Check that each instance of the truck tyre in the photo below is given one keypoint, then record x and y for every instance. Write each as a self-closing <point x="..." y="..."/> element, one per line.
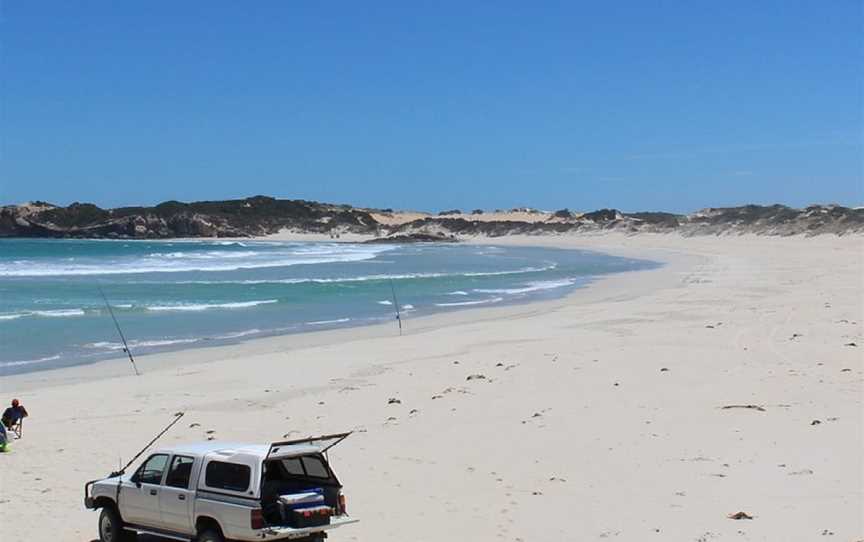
<point x="211" y="535"/>
<point x="111" y="526"/>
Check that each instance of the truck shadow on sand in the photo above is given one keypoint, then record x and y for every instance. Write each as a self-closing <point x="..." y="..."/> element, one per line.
<point x="143" y="538"/>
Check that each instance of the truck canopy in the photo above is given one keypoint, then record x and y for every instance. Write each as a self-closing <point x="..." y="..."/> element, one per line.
<point x="309" y="445"/>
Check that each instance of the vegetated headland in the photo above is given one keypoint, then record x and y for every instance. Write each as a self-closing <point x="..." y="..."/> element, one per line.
<point x="262" y="215"/>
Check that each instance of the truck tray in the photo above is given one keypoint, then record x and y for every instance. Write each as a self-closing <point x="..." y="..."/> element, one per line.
<point x="283" y="532"/>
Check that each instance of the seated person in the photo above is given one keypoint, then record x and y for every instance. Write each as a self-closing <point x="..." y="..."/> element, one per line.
<point x="14" y="414"/>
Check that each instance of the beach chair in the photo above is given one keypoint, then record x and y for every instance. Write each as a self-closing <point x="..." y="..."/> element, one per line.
<point x="18" y="428"/>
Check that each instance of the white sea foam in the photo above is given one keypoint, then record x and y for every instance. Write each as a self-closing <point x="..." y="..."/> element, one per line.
<point x="478" y="302"/>
<point x="101" y="344"/>
<point x="206" y="306"/>
<point x="325" y="322"/>
<point x="209" y="255"/>
<point x="165" y="342"/>
<point x="408" y="307"/>
<point x="104" y="345"/>
<point x="514" y="272"/>
<point x="18" y="363"/>
<point x="59" y="313"/>
<point x="362" y="278"/>
<point x="238" y="334"/>
<point x="385" y="302"/>
<point x="529" y="287"/>
<point x="133" y="344"/>
<point x="54" y="313"/>
<point x="458" y="292"/>
<point x="182" y="261"/>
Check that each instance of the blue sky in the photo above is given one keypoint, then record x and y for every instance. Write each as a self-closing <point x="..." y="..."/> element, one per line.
<point x="434" y="105"/>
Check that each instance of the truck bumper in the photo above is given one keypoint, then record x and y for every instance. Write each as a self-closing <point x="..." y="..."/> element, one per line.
<point x="290" y="533"/>
<point x="88" y="500"/>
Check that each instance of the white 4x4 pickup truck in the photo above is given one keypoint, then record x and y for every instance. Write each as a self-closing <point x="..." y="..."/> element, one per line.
<point x="214" y="491"/>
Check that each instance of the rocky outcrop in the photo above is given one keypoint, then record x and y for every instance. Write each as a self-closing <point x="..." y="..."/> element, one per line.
<point x="259" y="215"/>
<point x="262" y="215"/>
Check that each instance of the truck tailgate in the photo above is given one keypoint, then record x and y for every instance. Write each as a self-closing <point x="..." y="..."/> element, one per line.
<point x="288" y="533"/>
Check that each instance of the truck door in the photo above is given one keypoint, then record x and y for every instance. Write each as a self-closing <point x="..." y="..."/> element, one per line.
<point x="175" y="498"/>
<point x="139" y="499"/>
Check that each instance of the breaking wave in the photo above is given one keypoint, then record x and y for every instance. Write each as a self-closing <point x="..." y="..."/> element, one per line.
<point x="206" y="306"/>
<point x="18" y="363"/>
<point x="465" y="303"/>
<point x="55" y="313"/>
<point x="106" y="345"/>
<point x="193" y="260"/>
<point x="325" y="322"/>
<point x="530" y="287"/>
<point x="156" y="343"/>
<point x="363" y="278"/>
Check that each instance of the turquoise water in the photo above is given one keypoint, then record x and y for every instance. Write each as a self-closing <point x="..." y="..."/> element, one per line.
<point x="177" y="294"/>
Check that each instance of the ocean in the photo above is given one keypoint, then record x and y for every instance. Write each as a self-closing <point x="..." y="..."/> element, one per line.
<point x="179" y="294"/>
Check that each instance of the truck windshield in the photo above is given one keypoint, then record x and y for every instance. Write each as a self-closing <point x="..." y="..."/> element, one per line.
<point x="151" y="471"/>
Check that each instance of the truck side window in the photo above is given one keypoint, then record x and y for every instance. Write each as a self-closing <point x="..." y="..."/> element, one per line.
<point x="180" y="471"/>
<point x="152" y="469"/>
<point x="230" y="476"/>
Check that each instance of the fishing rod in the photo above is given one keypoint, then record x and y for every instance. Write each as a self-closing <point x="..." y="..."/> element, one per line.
<point x="88" y="499"/>
<point x="177" y="417"/>
<point x="396" y="306"/>
<point x="119" y="331"/>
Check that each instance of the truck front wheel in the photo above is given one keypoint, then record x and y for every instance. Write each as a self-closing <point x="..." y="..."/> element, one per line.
<point x="210" y="535"/>
<point x="111" y="526"/>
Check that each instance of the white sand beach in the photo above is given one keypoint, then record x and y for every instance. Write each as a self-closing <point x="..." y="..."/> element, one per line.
<point x="598" y="416"/>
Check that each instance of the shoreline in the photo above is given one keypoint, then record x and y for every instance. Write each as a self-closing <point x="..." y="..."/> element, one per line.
<point x="199" y="353"/>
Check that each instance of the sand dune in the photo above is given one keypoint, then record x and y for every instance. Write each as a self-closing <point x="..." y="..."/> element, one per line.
<point x="599" y="416"/>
